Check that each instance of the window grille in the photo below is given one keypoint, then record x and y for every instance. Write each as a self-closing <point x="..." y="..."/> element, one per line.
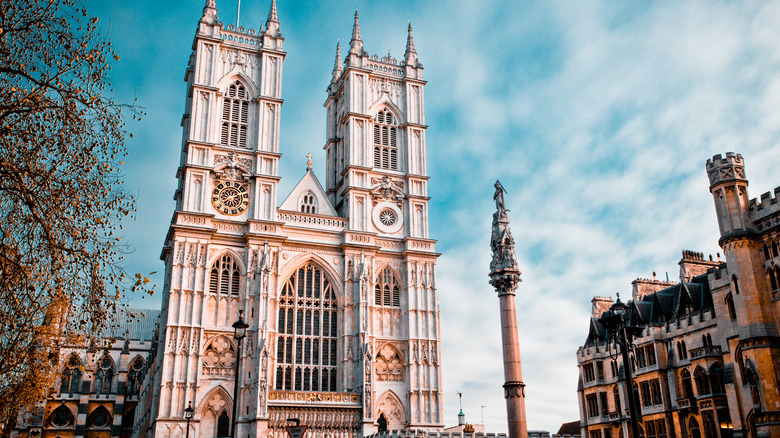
<point x="235" y="115"/>
<point x="386" y="292"/>
<point x="307" y="341"/>
<point x="224" y="276"/>
<point x="385" y="141"/>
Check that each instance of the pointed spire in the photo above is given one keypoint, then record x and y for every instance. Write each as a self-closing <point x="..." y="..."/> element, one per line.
<point x="337" y="65"/>
<point x="410" y="56"/>
<point x="272" y="23"/>
<point x="356" y="44"/>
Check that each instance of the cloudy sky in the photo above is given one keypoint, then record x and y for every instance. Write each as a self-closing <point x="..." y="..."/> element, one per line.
<point x="597" y="117"/>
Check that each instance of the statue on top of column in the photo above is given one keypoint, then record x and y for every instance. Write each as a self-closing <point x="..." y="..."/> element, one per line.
<point x="501" y="242"/>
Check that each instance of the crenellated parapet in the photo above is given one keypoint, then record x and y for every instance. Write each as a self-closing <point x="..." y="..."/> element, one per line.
<point x="726" y="170"/>
<point x="764" y="212"/>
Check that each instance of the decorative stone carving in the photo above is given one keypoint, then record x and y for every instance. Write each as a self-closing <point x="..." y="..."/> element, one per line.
<point x="388" y="364"/>
<point x="219" y="358"/>
<point x="385" y="189"/>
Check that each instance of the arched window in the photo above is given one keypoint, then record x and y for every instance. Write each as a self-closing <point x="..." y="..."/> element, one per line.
<point x="308" y="203"/>
<point x="223" y="425"/>
<point x="135" y="376"/>
<point x="730" y="307"/>
<point x="777" y="277"/>
<point x="772" y="278"/>
<point x="704" y="340"/>
<point x="385" y="140"/>
<point x="693" y="427"/>
<point x="716" y="379"/>
<point x="637" y="399"/>
<point x="386" y="292"/>
<point x="61" y="417"/>
<point x="687" y="386"/>
<point x="307" y="341"/>
<point x="104" y="376"/>
<point x="99" y="418"/>
<point x="70" y="380"/>
<point x="766" y="253"/>
<point x="684" y="350"/>
<point x="616" y="397"/>
<point x="774" y="249"/>
<point x="755" y="389"/>
<point x="224" y="276"/>
<point x="235" y="115"/>
<point x="702" y="382"/>
<point x="709" y="340"/>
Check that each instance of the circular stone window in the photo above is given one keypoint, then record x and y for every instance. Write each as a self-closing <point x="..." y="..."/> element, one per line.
<point x="387" y="217"/>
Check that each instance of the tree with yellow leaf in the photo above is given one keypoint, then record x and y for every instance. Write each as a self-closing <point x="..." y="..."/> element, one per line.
<point x="61" y="196"/>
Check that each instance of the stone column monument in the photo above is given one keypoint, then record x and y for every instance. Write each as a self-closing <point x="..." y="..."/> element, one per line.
<point x="505" y="276"/>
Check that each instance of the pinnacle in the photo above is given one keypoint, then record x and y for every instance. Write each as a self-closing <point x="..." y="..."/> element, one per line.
<point x="410" y="51"/>
<point x="272" y="15"/>
<point x="356" y="43"/>
<point x="337" y="64"/>
<point x="356" y="28"/>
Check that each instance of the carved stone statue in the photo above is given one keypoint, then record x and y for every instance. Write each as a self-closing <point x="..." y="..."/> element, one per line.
<point x="498" y="196"/>
<point x="501" y="242"/>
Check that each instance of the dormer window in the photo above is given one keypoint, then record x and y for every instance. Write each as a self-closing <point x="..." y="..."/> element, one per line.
<point x="235" y="115"/>
<point x="308" y="203"/>
<point x="385" y="141"/>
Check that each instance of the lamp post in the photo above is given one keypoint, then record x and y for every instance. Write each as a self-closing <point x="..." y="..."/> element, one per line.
<point x="616" y="321"/>
<point x="239" y="328"/>
<point x="188" y="416"/>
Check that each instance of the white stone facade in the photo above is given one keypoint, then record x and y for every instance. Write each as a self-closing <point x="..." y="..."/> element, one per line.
<point x="338" y="284"/>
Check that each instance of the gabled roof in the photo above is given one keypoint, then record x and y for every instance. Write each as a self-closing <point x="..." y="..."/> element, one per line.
<point x="665" y="305"/>
<point x="309" y="183"/>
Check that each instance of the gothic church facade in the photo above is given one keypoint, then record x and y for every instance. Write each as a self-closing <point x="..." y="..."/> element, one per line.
<point x="337" y="284"/>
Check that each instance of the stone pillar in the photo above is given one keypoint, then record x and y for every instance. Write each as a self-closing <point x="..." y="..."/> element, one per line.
<point x="504" y="277"/>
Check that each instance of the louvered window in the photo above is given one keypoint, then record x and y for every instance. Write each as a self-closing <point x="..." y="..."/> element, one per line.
<point x="224" y="276"/>
<point x="385" y="141"/>
<point x="235" y="115"/>
<point x="307" y="326"/>
<point x="386" y="292"/>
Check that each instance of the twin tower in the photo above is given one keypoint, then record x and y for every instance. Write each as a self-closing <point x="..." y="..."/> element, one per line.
<point x="337" y="284"/>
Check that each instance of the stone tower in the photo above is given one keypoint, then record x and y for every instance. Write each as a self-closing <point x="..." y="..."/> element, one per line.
<point x="504" y="277"/>
<point x="337" y="284"/>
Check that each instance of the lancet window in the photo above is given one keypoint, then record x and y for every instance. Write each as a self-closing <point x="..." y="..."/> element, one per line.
<point x="135" y="376"/>
<point x="70" y="380"/>
<point x="385" y="140"/>
<point x="235" y="115"/>
<point x="387" y="292"/>
<point x="307" y="341"/>
<point x="104" y="376"/>
<point x="224" y="276"/>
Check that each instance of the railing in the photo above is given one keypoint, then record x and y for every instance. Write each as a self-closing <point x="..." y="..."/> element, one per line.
<point x="708" y="351"/>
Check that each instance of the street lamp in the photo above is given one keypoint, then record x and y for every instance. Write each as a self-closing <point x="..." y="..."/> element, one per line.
<point x="239" y="327"/>
<point x="188" y="416"/>
<point x="616" y="320"/>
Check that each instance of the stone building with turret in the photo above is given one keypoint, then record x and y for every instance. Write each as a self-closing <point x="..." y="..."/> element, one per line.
<point x="707" y="361"/>
<point x="337" y="283"/>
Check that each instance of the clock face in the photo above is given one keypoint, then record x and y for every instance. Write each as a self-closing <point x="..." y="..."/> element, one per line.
<point x="230" y="198"/>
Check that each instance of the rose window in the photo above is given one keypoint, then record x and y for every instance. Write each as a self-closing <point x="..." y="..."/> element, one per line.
<point x="388" y="217"/>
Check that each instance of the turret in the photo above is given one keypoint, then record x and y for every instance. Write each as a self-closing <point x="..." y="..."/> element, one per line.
<point x="728" y="186"/>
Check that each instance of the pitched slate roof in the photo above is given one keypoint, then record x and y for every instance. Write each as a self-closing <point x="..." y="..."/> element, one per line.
<point x="140" y="328"/>
<point x="665" y="305"/>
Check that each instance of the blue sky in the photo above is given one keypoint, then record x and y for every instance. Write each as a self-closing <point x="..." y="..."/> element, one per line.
<point x="597" y="117"/>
